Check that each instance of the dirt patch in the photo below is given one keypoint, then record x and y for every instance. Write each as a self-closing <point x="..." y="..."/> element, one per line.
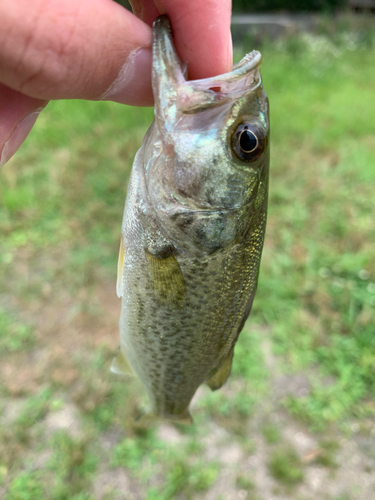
<point x="114" y="482"/>
<point x="67" y="419"/>
<point x="20" y="378"/>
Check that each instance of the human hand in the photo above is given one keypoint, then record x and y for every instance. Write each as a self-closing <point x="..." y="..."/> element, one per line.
<point x="96" y="49"/>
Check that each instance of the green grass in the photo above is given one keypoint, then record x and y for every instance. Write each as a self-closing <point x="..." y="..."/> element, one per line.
<point x="34" y="410"/>
<point x="61" y="204"/>
<point x="25" y="487"/>
<point x="271" y="433"/>
<point x="285" y="466"/>
<point x="327" y="456"/>
<point x="14" y="335"/>
<point x="144" y="453"/>
<point x="317" y="284"/>
<point x="244" y="483"/>
<point x="73" y="465"/>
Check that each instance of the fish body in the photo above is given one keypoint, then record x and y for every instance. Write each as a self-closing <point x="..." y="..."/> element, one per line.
<point x="193" y="228"/>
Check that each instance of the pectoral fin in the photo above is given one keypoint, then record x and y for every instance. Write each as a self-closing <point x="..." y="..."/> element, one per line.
<point x="120" y="364"/>
<point x="120" y="269"/>
<point x="219" y="378"/>
<point x="167" y="280"/>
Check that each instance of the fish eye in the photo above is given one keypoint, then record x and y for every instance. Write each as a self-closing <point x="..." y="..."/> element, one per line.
<point x="248" y="142"/>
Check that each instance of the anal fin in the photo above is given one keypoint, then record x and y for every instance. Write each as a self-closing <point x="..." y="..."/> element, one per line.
<point x="221" y="375"/>
<point x="120" y="364"/>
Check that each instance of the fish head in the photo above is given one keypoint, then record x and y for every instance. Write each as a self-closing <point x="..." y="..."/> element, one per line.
<point x="213" y="133"/>
<point x="207" y="153"/>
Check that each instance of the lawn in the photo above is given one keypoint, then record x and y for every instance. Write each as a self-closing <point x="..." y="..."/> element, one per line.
<point x="296" y="418"/>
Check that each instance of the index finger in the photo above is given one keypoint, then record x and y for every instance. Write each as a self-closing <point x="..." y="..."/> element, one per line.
<point x="201" y="32"/>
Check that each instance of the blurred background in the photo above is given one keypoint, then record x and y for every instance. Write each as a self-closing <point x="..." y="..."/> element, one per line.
<point x="296" y="418"/>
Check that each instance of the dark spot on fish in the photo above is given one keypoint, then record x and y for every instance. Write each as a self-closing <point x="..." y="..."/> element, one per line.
<point x="182" y="192"/>
<point x="210" y="196"/>
<point x="184" y="222"/>
<point x="200" y="233"/>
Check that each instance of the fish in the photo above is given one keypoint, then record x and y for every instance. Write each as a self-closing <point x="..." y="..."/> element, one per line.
<point x="193" y="229"/>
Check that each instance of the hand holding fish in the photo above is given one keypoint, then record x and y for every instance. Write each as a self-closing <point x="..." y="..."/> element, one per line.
<point x="96" y="50"/>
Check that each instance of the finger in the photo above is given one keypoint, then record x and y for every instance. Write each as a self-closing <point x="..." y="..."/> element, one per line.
<point x="145" y="10"/>
<point x="88" y="49"/>
<point x="18" y="115"/>
<point x="201" y="30"/>
<point x="202" y="34"/>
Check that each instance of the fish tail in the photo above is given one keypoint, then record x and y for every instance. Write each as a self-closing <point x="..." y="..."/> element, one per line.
<point x="148" y="417"/>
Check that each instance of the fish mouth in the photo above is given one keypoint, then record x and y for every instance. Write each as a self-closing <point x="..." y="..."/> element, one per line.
<point x="197" y="95"/>
<point x="244" y="73"/>
<point x="192" y="96"/>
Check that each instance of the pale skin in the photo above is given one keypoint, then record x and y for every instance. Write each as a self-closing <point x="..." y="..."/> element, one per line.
<point x="96" y="49"/>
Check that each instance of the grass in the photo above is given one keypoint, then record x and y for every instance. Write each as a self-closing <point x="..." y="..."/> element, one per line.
<point x="14" y="335"/>
<point x="36" y="407"/>
<point x="271" y="433"/>
<point x="61" y="203"/>
<point x="285" y="466"/>
<point x="319" y="266"/>
<point x="144" y="454"/>
<point x="25" y="486"/>
<point x="72" y="464"/>
<point x="327" y="457"/>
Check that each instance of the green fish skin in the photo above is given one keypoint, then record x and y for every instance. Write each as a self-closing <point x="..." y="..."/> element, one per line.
<point x="193" y="228"/>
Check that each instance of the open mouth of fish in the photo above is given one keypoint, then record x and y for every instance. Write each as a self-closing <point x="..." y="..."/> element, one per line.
<point x="195" y="95"/>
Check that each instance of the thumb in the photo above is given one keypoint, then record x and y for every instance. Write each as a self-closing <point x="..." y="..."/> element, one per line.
<point x="64" y="49"/>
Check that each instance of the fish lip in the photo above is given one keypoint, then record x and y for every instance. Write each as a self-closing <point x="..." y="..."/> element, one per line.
<point x="196" y="95"/>
<point x="240" y="70"/>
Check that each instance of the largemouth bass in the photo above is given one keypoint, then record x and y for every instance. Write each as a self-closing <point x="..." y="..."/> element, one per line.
<point x="193" y="228"/>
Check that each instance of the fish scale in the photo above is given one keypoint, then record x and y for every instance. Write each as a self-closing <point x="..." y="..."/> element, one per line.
<point x="193" y="229"/>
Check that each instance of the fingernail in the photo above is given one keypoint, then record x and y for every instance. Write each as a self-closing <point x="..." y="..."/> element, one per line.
<point x="18" y="135"/>
<point x="133" y="83"/>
